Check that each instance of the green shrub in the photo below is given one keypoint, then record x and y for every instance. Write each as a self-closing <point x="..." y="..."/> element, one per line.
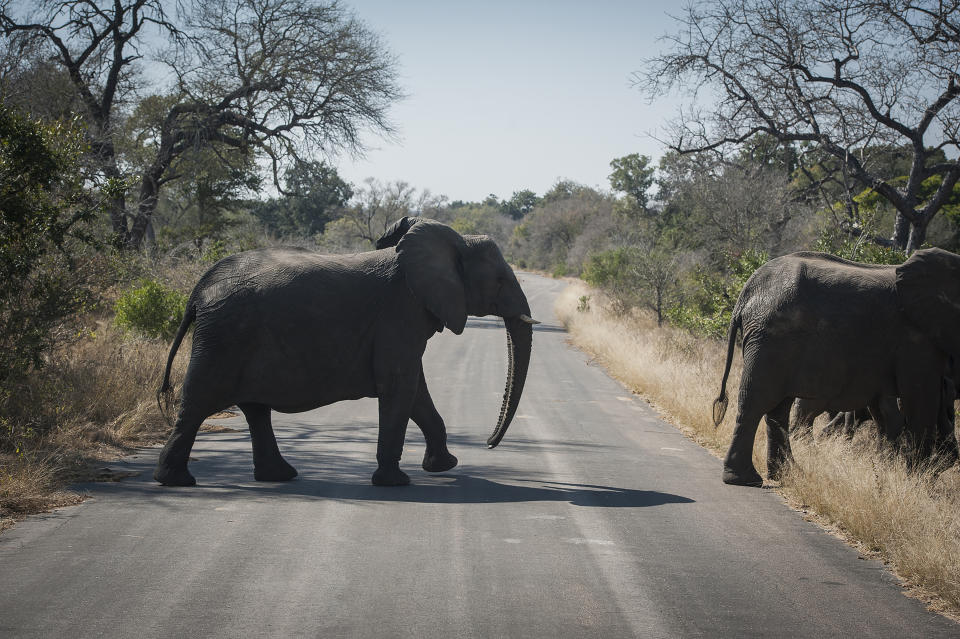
<point x="151" y="309"/>
<point x="859" y="250"/>
<point x="709" y="309"/>
<point x="614" y="272"/>
<point x="45" y="208"/>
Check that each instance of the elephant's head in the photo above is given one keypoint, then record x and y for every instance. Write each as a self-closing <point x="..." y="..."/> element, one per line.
<point x="456" y="276"/>
<point x="928" y="285"/>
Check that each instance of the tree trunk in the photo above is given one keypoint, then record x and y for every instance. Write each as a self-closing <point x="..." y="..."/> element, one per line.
<point x="918" y="234"/>
<point x="901" y="232"/>
<point x="149" y="192"/>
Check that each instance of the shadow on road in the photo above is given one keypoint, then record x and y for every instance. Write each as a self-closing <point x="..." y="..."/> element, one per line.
<point x="465" y="489"/>
<point x="335" y="464"/>
<point x="441" y="489"/>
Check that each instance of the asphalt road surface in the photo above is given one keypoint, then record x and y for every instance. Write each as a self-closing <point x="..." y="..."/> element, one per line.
<point x="593" y="518"/>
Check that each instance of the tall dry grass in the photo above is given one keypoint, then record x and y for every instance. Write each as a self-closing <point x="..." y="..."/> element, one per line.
<point x="859" y="488"/>
<point x="93" y="400"/>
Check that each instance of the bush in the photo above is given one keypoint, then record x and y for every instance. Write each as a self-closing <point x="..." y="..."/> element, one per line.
<point x="151" y="309"/>
<point x="44" y="210"/>
<point x="613" y="272"/>
<point x="710" y="308"/>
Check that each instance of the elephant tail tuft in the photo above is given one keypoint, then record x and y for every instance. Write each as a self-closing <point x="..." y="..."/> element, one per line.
<point x="720" y="408"/>
<point x="721" y="402"/>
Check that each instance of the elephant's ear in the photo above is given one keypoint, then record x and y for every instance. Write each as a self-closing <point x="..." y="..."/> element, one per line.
<point x="393" y="234"/>
<point x="928" y="285"/>
<point x="430" y="256"/>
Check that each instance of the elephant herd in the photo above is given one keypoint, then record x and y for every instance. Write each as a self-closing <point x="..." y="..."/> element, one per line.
<point x="291" y="330"/>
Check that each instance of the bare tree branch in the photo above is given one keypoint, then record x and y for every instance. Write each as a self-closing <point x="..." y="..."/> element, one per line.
<point x="840" y="74"/>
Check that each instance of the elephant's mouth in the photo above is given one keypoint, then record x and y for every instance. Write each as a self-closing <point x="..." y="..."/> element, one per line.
<point x="519" y="344"/>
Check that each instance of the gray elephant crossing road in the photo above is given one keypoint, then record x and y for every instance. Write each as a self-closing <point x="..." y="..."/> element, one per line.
<point x="593" y="518"/>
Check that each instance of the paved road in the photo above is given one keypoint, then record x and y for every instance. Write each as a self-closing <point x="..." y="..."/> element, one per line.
<point x="592" y="519"/>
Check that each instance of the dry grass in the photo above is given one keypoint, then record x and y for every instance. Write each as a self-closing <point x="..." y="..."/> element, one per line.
<point x="94" y="400"/>
<point x="861" y="491"/>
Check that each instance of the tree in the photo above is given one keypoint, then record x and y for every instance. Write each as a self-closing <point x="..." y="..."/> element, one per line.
<point x="44" y="208"/>
<point x="97" y="47"/>
<point x="379" y="204"/>
<point x="633" y="175"/>
<point x="278" y="79"/>
<point x="642" y="275"/>
<point x="840" y="75"/>
<point x="315" y="195"/>
<point x="723" y="208"/>
<point x="572" y="222"/>
<point x="519" y="204"/>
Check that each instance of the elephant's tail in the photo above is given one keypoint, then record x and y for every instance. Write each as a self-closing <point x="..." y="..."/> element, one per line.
<point x="721" y="402"/>
<point x="190" y="313"/>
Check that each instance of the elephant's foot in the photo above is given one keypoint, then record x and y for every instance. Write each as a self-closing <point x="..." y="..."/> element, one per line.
<point x="279" y="470"/>
<point x="776" y="470"/>
<point x="390" y="477"/>
<point x="439" y="462"/>
<point x="174" y="476"/>
<point x="735" y="478"/>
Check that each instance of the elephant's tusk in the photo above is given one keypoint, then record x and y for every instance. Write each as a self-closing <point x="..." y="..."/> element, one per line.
<point x="528" y="319"/>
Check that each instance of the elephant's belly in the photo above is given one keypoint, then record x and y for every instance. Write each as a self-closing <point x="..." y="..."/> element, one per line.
<point x="847" y="389"/>
<point x="295" y="391"/>
<point x="842" y="380"/>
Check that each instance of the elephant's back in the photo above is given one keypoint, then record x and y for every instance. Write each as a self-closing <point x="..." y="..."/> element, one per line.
<point x="817" y="295"/>
<point x="277" y="275"/>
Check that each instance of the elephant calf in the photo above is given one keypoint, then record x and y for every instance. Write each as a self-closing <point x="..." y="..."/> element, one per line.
<point x="843" y="334"/>
<point x="290" y="330"/>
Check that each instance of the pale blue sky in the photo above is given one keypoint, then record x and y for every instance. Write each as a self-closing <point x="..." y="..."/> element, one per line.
<point x="511" y="95"/>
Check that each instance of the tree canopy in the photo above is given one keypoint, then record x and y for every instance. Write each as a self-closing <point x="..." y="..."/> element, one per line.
<point x="279" y="80"/>
<point x="842" y="77"/>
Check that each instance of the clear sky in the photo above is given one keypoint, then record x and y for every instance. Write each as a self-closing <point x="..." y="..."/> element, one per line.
<point x="505" y="96"/>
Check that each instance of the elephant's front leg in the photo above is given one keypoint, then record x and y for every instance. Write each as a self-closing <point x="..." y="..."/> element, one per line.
<point x="396" y="394"/>
<point x="778" y="440"/>
<point x="437" y="458"/>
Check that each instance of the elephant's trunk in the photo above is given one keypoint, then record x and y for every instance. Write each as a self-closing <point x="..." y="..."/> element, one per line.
<point x="519" y="343"/>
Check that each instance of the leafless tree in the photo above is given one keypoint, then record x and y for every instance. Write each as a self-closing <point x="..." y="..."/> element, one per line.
<point x="281" y="79"/>
<point x="377" y="205"/>
<point x="842" y="75"/>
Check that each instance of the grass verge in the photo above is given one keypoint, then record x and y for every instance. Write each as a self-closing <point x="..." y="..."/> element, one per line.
<point x="93" y="401"/>
<point x="857" y="489"/>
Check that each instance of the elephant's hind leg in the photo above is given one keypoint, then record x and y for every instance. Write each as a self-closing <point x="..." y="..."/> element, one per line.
<point x="437" y="458"/>
<point x="738" y="466"/>
<point x="268" y="464"/>
<point x="172" y="466"/>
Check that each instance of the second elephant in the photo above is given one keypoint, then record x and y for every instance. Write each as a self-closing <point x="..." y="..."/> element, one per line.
<point x="842" y="333"/>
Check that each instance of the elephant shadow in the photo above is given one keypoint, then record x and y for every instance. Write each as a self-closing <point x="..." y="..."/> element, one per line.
<point x="451" y="488"/>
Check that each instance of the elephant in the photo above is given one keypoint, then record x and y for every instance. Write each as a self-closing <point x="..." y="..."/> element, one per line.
<point x="845" y="334"/>
<point x="291" y="330"/>
<point x="885" y="413"/>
